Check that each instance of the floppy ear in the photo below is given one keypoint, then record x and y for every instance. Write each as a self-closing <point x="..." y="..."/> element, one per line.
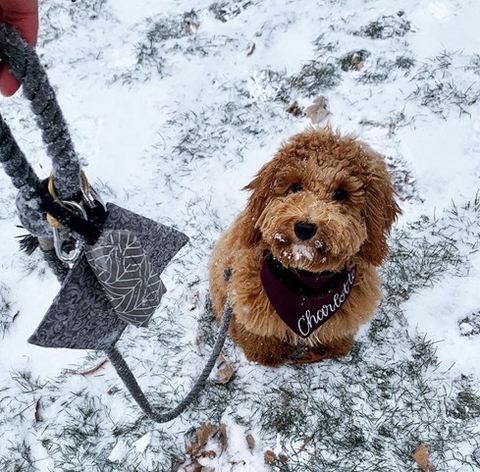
<point x="381" y="211"/>
<point x="261" y="187"/>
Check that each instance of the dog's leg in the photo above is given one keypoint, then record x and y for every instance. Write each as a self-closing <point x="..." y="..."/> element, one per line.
<point x="268" y="351"/>
<point x="310" y="355"/>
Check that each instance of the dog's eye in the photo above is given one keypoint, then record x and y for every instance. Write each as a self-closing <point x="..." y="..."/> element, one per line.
<point x="296" y="187"/>
<point x="340" y="194"/>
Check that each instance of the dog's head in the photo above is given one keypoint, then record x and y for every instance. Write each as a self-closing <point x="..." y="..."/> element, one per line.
<point x="322" y="202"/>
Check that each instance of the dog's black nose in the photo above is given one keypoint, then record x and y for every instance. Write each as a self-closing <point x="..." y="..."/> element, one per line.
<point x="305" y="230"/>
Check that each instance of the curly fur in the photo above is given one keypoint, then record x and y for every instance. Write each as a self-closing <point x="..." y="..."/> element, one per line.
<point x="343" y="187"/>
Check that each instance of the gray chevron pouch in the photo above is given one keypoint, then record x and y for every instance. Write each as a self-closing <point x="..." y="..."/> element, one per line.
<point x="130" y="281"/>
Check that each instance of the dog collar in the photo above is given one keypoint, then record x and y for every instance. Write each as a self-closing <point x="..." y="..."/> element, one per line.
<point x="305" y="300"/>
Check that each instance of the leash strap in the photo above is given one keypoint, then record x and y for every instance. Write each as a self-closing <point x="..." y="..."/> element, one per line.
<point x="26" y="67"/>
<point x="130" y="382"/>
<point x="80" y="316"/>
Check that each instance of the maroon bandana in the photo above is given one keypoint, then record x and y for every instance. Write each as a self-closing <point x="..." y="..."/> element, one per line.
<point x="305" y="300"/>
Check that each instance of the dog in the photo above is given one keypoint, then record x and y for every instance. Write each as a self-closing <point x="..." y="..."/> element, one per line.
<point x="299" y="264"/>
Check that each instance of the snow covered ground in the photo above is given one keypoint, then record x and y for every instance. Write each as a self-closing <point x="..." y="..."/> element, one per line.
<point x="173" y="108"/>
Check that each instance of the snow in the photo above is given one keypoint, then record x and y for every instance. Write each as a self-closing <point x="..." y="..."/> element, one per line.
<point x="118" y="452"/>
<point x="435" y="311"/>
<point x="301" y="251"/>
<point x="175" y="138"/>
<point x="142" y="443"/>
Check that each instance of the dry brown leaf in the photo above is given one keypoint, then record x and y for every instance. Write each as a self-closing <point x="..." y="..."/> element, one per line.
<point x="422" y="457"/>
<point x="223" y="432"/>
<point x="195" y="301"/>
<point x="225" y="371"/>
<point x="191" y="26"/>
<point x="204" y="432"/>
<point x="225" y="374"/>
<point x="269" y="456"/>
<point x="318" y="111"/>
<point x="294" y="109"/>
<point x="251" y="442"/>
<point x="251" y="49"/>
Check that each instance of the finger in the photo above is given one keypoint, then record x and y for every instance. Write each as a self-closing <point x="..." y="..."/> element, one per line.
<point x="8" y="83"/>
<point x="23" y="16"/>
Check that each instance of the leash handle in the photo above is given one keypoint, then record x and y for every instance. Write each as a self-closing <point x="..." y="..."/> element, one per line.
<point x="26" y="67"/>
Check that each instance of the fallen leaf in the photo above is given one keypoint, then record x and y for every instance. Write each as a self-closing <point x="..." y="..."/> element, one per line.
<point x="204" y="432"/>
<point x="195" y="301"/>
<point x="269" y="457"/>
<point x="223" y="432"/>
<point x="225" y="371"/>
<point x="251" y="49"/>
<point x="422" y="457"/>
<point x="251" y="442"/>
<point x="294" y="109"/>
<point x="191" y="26"/>
<point x="318" y="110"/>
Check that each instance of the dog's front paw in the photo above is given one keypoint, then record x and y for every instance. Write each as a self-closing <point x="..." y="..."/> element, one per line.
<point x="310" y="355"/>
<point x="271" y="355"/>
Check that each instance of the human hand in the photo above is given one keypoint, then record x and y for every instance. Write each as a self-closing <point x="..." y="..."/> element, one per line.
<point x="23" y="15"/>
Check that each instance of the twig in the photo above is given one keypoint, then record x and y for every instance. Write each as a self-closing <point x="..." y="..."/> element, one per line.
<point x="87" y="372"/>
<point x="36" y="413"/>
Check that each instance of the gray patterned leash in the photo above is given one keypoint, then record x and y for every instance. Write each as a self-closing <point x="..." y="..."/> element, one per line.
<point x="25" y="65"/>
<point x="126" y="374"/>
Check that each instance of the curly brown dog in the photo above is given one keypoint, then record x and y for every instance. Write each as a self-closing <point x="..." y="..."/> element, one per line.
<point x="299" y="263"/>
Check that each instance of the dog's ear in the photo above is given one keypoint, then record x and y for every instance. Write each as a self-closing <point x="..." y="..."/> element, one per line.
<point x="381" y="211"/>
<point x="261" y="188"/>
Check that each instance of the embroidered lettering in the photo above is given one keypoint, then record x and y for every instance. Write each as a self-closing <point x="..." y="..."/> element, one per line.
<point x="309" y="321"/>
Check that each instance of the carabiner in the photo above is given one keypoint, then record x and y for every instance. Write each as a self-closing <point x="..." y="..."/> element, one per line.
<point x="72" y="256"/>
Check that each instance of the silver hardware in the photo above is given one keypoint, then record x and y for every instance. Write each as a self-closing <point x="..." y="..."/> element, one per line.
<point x="72" y="256"/>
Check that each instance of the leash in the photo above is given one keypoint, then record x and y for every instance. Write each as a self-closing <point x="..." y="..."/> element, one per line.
<point x="126" y="374"/>
<point x="92" y="248"/>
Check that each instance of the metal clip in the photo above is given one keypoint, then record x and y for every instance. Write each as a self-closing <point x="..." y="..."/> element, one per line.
<point x="72" y="256"/>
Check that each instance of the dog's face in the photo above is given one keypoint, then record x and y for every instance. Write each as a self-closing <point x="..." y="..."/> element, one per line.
<point x="324" y="201"/>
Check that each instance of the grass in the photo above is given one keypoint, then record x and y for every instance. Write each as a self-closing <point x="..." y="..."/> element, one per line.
<point x="7" y="314"/>
<point x="226" y="11"/>
<point x="315" y="77"/>
<point x="438" y="87"/>
<point x="387" y="26"/>
<point x="386" y="70"/>
<point x="59" y="17"/>
<point x="354" y="60"/>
